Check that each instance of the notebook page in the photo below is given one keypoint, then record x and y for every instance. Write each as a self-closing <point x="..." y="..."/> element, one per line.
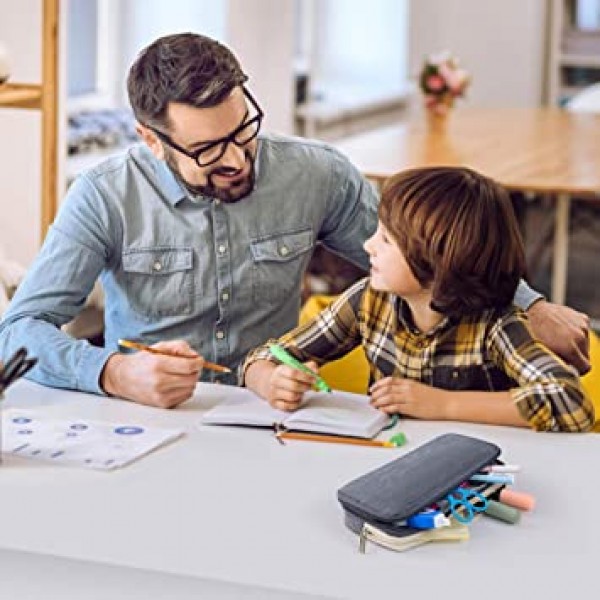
<point x="341" y="413"/>
<point x="240" y="406"/>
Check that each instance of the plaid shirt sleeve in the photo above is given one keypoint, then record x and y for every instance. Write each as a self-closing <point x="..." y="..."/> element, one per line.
<point x="549" y="395"/>
<point x="330" y="335"/>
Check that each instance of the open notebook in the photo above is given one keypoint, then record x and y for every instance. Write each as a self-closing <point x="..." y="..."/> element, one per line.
<point x="339" y="413"/>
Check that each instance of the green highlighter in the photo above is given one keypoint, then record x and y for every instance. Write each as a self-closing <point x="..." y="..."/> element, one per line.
<point x="282" y="355"/>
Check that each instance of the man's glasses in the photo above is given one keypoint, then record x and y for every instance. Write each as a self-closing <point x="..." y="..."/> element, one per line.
<point x="212" y="151"/>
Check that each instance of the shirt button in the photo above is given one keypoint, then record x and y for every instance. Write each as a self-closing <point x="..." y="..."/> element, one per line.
<point x="217" y="202"/>
<point x="225" y="296"/>
<point x="220" y="335"/>
<point x="157" y="266"/>
<point x="222" y="249"/>
<point x="454" y="374"/>
<point x="284" y="251"/>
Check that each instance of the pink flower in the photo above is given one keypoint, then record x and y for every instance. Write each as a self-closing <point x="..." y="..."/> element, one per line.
<point x="461" y="78"/>
<point x="449" y="76"/>
<point x="456" y="79"/>
<point x="435" y="83"/>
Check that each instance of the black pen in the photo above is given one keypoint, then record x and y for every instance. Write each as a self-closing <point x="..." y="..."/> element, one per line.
<point x="15" y="368"/>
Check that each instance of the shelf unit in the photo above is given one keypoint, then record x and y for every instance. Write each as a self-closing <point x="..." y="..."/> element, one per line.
<point x="574" y="54"/>
<point x="15" y="95"/>
<point x="43" y="97"/>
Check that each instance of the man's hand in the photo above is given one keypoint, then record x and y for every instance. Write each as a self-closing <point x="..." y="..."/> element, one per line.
<point x="154" y="379"/>
<point x="564" y="331"/>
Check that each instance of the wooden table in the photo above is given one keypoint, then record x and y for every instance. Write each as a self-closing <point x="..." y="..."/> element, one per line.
<point x="541" y="150"/>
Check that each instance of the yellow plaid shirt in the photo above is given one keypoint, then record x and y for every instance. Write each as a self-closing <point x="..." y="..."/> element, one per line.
<point x="492" y="351"/>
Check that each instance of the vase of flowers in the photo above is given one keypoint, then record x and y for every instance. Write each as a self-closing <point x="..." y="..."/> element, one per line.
<point x="441" y="81"/>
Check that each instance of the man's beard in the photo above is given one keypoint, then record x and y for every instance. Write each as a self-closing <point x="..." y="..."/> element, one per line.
<point x="232" y="194"/>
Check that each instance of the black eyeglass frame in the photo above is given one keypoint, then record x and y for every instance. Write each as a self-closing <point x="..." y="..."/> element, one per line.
<point x="224" y="141"/>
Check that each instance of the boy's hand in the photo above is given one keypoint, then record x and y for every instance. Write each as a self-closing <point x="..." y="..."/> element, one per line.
<point x="409" y="398"/>
<point x="287" y="385"/>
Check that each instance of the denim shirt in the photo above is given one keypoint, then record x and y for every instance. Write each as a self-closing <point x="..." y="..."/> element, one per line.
<point x="224" y="277"/>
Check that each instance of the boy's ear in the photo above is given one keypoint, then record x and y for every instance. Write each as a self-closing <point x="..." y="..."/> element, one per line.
<point x="151" y="140"/>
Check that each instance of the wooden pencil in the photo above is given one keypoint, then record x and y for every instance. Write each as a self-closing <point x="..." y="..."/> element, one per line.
<point x="137" y="346"/>
<point x="332" y="439"/>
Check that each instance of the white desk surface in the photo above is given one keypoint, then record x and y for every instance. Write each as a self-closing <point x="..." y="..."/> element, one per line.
<point x="231" y="507"/>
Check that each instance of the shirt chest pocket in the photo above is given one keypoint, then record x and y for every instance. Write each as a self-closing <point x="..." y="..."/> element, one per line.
<point x="159" y="281"/>
<point x="279" y="261"/>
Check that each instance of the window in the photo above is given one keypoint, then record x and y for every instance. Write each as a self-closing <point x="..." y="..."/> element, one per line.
<point x="82" y="32"/>
<point x="352" y="46"/>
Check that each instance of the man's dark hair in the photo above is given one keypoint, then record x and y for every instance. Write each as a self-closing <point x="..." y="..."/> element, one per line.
<point x="459" y="234"/>
<point x="185" y="67"/>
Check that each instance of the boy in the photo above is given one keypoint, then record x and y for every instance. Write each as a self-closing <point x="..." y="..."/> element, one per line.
<point x="435" y="318"/>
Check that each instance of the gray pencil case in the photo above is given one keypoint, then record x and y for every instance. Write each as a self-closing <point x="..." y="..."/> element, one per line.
<point x="386" y="497"/>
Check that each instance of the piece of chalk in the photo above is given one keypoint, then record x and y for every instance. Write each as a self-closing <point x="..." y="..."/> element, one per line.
<point x="503" y="512"/>
<point x="505" y="478"/>
<point x="519" y="500"/>
<point x="502" y="469"/>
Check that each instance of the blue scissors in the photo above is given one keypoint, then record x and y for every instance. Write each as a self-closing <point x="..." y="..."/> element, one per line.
<point x="465" y="502"/>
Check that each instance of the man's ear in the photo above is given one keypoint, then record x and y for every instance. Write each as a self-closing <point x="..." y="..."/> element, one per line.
<point x="151" y="140"/>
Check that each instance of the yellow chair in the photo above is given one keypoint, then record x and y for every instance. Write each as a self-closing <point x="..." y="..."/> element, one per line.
<point x="591" y="381"/>
<point x="351" y="373"/>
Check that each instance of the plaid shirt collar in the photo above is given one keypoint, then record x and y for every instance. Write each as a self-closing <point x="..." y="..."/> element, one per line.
<point x="406" y="321"/>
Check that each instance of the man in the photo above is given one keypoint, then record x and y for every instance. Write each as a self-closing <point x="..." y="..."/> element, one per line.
<point x="199" y="236"/>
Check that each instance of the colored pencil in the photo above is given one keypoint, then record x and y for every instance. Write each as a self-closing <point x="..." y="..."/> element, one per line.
<point x="137" y="346"/>
<point x="332" y="439"/>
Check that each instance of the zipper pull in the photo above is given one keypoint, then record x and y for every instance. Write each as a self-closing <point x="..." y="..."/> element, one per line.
<point x="362" y="540"/>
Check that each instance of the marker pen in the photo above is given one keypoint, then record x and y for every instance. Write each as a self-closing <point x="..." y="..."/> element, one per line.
<point x="282" y="355"/>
